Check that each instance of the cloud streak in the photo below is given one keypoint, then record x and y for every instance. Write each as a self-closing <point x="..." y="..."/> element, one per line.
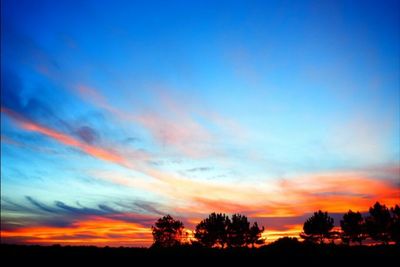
<point x="96" y="152"/>
<point x="64" y="224"/>
<point x="175" y="125"/>
<point x="95" y="230"/>
<point x="335" y="192"/>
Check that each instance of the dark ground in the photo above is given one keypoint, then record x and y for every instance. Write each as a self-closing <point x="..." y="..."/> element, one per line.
<point x="293" y="255"/>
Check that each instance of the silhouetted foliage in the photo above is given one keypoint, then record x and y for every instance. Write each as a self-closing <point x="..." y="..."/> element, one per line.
<point x="167" y="232"/>
<point x="378" y="223"/>
<point x="353" y="227"/>
<point x="318" y="227"/>
<point x="286" y="242"/>
<point x="395" y="225"/>
<point x="213" y="231"/>
<point x="220" y="230"/>
<point x="254" y="236"/>
<point x="238" y="231"/>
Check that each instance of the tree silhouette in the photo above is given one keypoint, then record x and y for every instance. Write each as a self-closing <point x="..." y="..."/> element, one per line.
<point x="238" y="231"/>
<point x="167" y="232"/>
<point x="318" y="227"/>
<point x="353" y="227"/>
<point x="395" y="224"/>
<point x="254" y="236"/>
<point x="286" y="242"/>
<point x="213" y="230"/>
<point x="378" y="223"/>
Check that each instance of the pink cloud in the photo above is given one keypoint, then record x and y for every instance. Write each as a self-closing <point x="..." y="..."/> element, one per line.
<point x="96" y="152"/>
<point x="175" y="125"/>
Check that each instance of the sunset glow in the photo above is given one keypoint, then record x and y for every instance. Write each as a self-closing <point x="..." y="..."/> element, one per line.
<point x="116" y="113"/>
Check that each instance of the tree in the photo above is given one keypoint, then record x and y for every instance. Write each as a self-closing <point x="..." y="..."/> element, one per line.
<point x="167" y="232"/>
<point x="395" y="225"/>
<point x="378" y="223"/>
<point x="353" y="227"/>
<point x="254" y="236"/>
<point x="213" y="230"/>
<point x="285" y="242"/>
<point x="238" y="231"/>
<point x="318" y="227"/>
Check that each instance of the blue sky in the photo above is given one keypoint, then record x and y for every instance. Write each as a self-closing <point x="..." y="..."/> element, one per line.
<point x="176" y="104"/>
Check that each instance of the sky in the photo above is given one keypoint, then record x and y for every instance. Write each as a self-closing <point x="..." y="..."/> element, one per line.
<point x="115" y="113"/>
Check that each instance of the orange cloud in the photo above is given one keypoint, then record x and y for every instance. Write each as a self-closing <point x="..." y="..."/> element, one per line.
<point x="292" y="230"/>
<point x="333" y="192"/>
<point x="65" y="139"/>
<point x="97" y="231"/>
<point x="273" y="203"/>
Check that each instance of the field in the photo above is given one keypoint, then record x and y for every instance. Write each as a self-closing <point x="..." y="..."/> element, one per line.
<point x="272" y="255"/>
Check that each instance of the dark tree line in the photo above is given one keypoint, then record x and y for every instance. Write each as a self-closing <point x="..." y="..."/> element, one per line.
<point x="381" y="225"/>
<point x="218" y="230"/>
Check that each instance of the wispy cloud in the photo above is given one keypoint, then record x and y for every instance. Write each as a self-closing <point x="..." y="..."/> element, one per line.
<point x="94" y="230"/>
<point x="96" y="152"/>
<point x="60" y="213"/>
<point x="280" y="205"/>
<point x="65" y="224"/>
<point x="336" y="192"/>
<point x="176" y="126"/>
<point x="199" y="169"/>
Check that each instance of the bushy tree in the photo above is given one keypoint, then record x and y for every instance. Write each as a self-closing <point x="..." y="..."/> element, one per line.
<point x="378" y="223"/>
<point x="254" y="236"/>
<point x="353" y="227"/>
<point x="167" y="232"/>
<point x="395" y="224"/>
<point x="220" y="230"/>
<point x="318" y="227"/>
<point x="238" y="231"/>
<point x="213" y="231"/>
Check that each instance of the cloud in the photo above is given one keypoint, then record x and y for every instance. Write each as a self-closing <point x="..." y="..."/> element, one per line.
<point x="107" y="209"/>
<point x="36" y="106"/>
<point x="87" y="134"/>
<point x="32" y="103"/>
<point x="96" y="152"/>
<point x="334" y="192"/>
<point x="131" y="140"/>
<point x="64" y="224"/>
<point x="61" y="214"/>
<point x="94" y="230"/>
<point x="199" y="169"/>
<point x="39" y="205"/>
<point x="281" y="206"/>
<point x="92" y="95"/>
<point x="176" y="126"/>
<point x="180" y="134"/>
<point x="79" y="211"/>
<point x="149" y="207"/>
<point x="9" y="205"/>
